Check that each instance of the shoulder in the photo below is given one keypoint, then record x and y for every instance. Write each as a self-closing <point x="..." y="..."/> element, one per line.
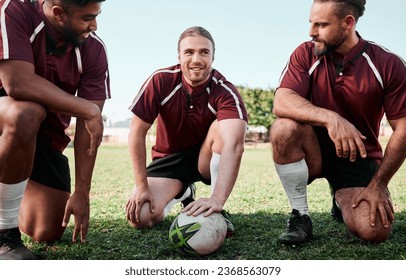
<point x="22" y="11"/>
<point x="383" y="56"/>
<point x="171" y="72"/>
<point x="303" y="54"/>
<point x="93" y="54"/>
<point x="163" y="78"/>
<point x="220" y="82"/>
<point x="16" y="5"/>
<point x="167" y="75"/>
<point x="93" y="45"/>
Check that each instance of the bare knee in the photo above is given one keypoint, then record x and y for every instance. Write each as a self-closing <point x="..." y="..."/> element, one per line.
<point x="23" y="119"/>
<point x="283" y="130"/>
<point x="46" y="234"/>
<point x="287" y="131"/>
<point x="147" y="219"/>
<point x="358" y="223"/>
<point x="291" y="141"/>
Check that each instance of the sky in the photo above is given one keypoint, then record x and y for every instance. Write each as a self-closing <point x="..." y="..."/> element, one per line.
<point x="254" y="38"/>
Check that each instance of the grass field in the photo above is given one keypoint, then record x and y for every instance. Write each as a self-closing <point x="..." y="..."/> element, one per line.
<point x="259" y="209"/>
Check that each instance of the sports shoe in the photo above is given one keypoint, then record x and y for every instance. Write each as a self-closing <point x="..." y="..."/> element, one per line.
<point x="12" y="247"/>
<point x="335" y="212"/>
<point x="189" y="194"/>
<point x="230" y="226"/>
<point x="298" y="230"/>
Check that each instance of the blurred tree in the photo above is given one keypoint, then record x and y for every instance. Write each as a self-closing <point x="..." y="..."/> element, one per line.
<point x="259" y="105"/>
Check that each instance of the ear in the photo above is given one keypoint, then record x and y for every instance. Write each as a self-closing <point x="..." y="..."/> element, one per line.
<point x="58" y="13"/>
<point x="349" y="22"/>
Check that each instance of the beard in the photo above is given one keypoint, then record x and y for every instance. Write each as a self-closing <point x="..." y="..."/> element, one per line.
<point x="196" y="79"/>
<point x="331" y="45"/>
<point x="72" y="36"/>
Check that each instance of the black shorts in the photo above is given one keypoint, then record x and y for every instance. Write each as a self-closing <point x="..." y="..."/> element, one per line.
<point x="182" y="166"/>
<point x="51" y="168"/>
<point x="341" y="172"/>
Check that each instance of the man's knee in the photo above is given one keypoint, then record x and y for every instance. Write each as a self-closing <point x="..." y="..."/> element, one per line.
<point x="44" y="233"/>
<point x="147" y="218"/>
<point x="283" y="130"/>
<point x="22" y="120"/>
<point x="359" y="224"/>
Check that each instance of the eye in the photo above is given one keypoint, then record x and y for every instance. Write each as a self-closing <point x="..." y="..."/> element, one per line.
<point x="321" y="24"/>
<point x="88" y="18"/>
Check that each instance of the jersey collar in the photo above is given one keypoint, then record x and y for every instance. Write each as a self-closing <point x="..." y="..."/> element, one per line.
<point x="196" y="90"/>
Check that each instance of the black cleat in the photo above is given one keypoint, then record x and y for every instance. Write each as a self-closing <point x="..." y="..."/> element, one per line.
<point x="12" y="247"/>
<point x="335" y="212"/>
<point x="299" y="229"/>
<point x="230" y="226"/>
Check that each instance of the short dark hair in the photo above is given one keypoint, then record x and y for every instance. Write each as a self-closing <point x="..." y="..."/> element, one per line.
<point x="79" y="3"/>
<point x="196" y="30"/>
<point x="355" y="8"/>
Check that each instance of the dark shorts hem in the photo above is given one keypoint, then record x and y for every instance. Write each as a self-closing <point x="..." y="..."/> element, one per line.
<point x="51" y="168"/>
<point x="182" y="166"/>
<point x="341" y="172"/>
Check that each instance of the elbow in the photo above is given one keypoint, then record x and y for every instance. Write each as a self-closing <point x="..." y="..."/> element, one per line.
<point x="15" y="90"/>
<point x="277" y="109"/>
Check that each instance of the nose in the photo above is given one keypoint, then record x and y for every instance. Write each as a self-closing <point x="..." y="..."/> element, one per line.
<point x="93" y="25"/>
<point x="312" y="31"/>
<point x="196" y="57"/>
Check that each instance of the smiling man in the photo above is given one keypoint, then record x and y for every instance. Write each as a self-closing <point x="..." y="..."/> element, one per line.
<point x="201" y="123"/>
<point x="330" y="102"/>
<point x="52" y="67"/>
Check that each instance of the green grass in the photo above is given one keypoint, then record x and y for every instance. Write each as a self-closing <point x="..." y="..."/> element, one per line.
<point x="259" y="209"/>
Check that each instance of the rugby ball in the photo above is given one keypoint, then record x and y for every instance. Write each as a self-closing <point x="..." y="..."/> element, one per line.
<point x="198" y="235"/>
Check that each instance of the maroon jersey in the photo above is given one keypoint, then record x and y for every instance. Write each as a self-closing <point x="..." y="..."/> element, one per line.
<point x="184" y="114"/>
<point x="27" y="35"/>
<point x="369" y="82"/>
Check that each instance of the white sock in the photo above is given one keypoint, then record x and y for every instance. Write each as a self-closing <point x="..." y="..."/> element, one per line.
<point x="294" y="178"/>
<point x="10" y="201"/>
<point x="171" y="203"/>
<point x="214" y="169"/>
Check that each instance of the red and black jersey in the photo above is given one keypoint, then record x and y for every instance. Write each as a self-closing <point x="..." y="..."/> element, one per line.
<point x="360" y="86"/>
<point x="184" y="114"/>
<point x="27" y="35"/>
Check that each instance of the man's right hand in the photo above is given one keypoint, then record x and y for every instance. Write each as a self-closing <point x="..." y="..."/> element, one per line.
<point x="138" y="197"/>
<point x="347" y="139"/>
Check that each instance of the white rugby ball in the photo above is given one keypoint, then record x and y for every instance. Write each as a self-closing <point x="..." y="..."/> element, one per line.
<point x="198" y="235"/>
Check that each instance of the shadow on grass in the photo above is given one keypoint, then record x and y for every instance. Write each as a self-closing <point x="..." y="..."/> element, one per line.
<point x="255" y="239"/>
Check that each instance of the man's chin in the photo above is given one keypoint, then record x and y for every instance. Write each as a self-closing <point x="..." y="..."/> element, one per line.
<point x="320" y="52"/>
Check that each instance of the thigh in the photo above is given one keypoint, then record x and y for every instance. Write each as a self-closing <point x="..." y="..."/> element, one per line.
<point x="19" y="124"/>
<point x="48" y="190"/>
<point x="293" y="141"/>
<point x="41" y="212"/>
<point x="163" y="190"/>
